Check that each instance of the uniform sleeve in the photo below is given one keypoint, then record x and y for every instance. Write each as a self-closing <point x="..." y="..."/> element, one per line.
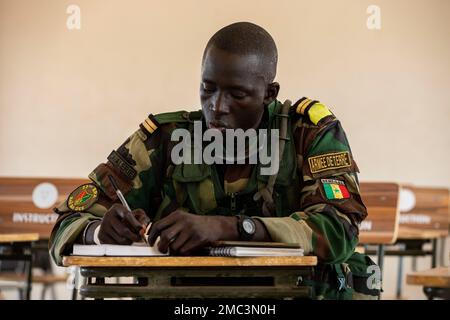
<point x="136" y="167"/>
<point x="330" y="204"/>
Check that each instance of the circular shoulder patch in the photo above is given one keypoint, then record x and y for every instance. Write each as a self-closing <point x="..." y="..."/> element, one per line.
<point x="83" y="197"/>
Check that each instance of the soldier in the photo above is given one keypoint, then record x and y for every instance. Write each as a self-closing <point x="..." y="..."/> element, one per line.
<point x="312" y="200"/>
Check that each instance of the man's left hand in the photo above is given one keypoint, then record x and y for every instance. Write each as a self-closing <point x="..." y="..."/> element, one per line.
<point x="185" y="233"/>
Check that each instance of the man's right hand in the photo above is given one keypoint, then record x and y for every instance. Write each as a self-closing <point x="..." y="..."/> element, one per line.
<point x="120" y="226"/>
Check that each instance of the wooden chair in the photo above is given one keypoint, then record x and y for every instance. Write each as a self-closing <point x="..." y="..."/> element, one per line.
<point x="26" y="206"/>
<point x="428" y="219"/>
<point x="381" y="225"/>
<point x="423" y="219"/>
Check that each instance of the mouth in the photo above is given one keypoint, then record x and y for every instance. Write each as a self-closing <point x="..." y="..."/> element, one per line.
<point x="218" y="125"/>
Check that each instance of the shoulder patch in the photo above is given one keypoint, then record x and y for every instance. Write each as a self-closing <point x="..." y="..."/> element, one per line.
<point x="313" y="109"/>
<point x="335" y="189"/>
<point x="83" y="197"/>
<point x="329" y="161"/>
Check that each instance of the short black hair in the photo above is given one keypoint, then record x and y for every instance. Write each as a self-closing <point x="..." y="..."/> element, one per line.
<point x="246" y="38"/>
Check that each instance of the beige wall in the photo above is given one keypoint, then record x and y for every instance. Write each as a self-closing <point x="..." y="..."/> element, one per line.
<point x="68" y="97"/>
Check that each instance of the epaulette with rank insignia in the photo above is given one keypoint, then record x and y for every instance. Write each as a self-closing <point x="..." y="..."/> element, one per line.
<point x="313" y="109"/>
<point x="153" y="122"/>
<point x="149" y="125"/>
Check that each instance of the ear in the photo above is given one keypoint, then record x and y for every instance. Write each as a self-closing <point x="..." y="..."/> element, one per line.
<point x="271" y="92"/>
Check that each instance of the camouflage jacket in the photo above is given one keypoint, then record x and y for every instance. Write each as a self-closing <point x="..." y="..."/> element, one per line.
<point x="316" y="193"/>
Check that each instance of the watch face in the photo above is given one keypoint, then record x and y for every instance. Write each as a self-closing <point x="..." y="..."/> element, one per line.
<point x="248" y="226"/>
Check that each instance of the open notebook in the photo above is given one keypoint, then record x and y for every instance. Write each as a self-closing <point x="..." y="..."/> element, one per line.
<point x="220" y="248"/>
<point x="254" y="249"/>
<point x="139" y="249"/>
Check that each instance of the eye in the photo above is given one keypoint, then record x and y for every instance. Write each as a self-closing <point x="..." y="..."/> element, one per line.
<point x="208" y="88"/>
<point x="237" y="94"/>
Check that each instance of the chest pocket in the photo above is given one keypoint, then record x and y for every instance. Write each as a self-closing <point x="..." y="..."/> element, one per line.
<point x="194" y="187"/>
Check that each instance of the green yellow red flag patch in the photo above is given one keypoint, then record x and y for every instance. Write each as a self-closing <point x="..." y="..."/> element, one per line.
<point x="83" y="197"/>
<point x="335" y="189"/>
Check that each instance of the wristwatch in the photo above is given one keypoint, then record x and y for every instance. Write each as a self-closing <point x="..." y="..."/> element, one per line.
<point x="246" y="227"/>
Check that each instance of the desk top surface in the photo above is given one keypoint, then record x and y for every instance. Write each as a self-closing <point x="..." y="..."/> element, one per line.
<point x="437" y="277"/>
<point x="18" y="237"/>
<point x="376" y="237"/>
<point x="181" y="262"/>
<point x="406" y="233"/>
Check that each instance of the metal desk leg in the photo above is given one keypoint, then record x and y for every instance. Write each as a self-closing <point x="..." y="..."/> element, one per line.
<point x="29" y="276"/>
<point x="429" y="292"/>
<point x="76" y="278"/>
<point x="380" y="264"/>
<point x="434" y="254"/>
<point x="99" y="281"/>
<point x="442" y="252"/>
<point x="381" y="258"/>
<point x="399" y="277"/>
<point x="414" y="264"/>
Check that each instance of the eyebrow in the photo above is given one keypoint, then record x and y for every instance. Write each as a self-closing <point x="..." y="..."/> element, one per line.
<point x="235" y="87"/>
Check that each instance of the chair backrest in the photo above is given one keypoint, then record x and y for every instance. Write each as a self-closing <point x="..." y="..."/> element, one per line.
<point x="382" y="203"/>
<point x="26" y="204"/>
<point x="425" y="211"/>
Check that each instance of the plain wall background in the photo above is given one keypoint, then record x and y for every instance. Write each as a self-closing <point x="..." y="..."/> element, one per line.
<point x="68" y="97"/>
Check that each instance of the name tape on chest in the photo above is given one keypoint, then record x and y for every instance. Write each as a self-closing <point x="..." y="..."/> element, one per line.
<point x="329" y="161"/>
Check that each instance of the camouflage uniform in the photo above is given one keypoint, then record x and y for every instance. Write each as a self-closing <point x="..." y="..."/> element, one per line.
<point x="316" y="193"/>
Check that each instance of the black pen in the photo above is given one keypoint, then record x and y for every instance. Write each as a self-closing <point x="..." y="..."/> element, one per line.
<point x="143" y="230"/>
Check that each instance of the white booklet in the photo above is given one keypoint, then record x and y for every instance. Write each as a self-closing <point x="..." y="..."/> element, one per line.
<point x="137" y="249"/>
<point x="255" y="249"/>
<point x="254" y="252"/>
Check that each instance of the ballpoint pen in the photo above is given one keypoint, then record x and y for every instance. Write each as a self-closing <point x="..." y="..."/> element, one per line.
<point x="144" y="228"/>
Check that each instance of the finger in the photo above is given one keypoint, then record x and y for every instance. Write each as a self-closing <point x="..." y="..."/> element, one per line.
<point x="118" y="210"/>
<point x="180" y="241"/>
<point x="105" y="238"/>
<point x="191" y="245"/>
<point x="119" y="238"/>
<point x="125" y="232"/>
<point x="141" y="216"/>
<point x="108" y="224"/>
<point x="132" y="222"/>
<point x="167" y="237"/>
<point x="159" y="226"/>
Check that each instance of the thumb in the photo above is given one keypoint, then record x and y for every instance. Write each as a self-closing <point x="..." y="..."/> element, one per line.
<point x="141" y="216"/>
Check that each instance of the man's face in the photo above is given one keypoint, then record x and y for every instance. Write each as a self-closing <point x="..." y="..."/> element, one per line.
<point x="232" y="90"/>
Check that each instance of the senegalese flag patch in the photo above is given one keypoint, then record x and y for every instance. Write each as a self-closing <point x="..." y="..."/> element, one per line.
<point x="335" y="189"/>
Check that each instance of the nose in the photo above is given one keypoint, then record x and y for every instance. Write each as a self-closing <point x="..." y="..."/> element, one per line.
<point x="219" y="105"/>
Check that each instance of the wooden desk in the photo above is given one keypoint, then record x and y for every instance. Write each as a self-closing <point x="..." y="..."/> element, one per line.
<point x="426" y="220"/>
<point x="196" y="277"/>
<point x="436" y="282"/>
<point x="406" y="233"/>
<point x="18" y="247"/>
<point x="18" y="237"/>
